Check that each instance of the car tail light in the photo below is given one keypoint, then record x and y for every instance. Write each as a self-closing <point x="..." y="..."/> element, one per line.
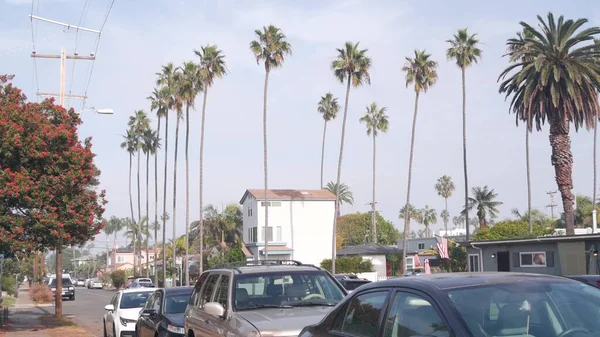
<point x="598" y="283"/>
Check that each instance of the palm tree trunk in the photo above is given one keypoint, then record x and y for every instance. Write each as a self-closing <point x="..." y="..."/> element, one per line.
<point x="323" y="153"/>
<point x="339" y="176"/>
<point x="446" y="219"/>
<point x="139" y="201"/>
<point x="147" y="213"/>
<point x="131" y="196"/>
<point x="201" y="180"/>
<point x="175" y="202"/>
<point x="373" y="219"/>
<point x="410" y="160"/>
<point x="156" y="206"/>
<point x="164" y="217"/>
<point x="464" y="134"/>
<point x="265" y="163"/>
<point x="562" y="160"/>
<point x="594" y="159"/>
<point x="530" y="219"/>
<point x="187" y="195"/>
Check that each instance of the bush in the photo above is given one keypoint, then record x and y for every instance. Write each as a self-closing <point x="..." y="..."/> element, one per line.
<point x="348" y="264"/>
<point x="40" y="293"/>
<point x="118" y="277"/>
<point x="9" y="285"/>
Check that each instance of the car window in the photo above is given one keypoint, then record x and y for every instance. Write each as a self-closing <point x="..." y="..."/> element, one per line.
<point x="176" y="304"/>
<point x="413" y="315"/>
<point x="114" y="300"/>
<point x="361" y="317"/>
<point x="222" y="293"/>
<point x="134" y="300"/>
<point x="208" y="289"/>
<point x="195" y="297"/>
<point x="157" y="301"/>
<point x="150" y="301"/>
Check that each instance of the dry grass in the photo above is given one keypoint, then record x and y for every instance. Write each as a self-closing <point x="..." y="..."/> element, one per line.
<point x="40" y="293"/>
<point x="62" y="327"/>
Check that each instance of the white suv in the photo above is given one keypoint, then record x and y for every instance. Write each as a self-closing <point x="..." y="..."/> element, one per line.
<point x="121" y="314"/>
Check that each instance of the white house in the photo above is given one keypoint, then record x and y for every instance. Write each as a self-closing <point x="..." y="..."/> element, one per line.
<point x="300" y="224"/>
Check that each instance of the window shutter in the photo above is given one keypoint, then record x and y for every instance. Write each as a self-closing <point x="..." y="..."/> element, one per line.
<point x="549" y="259"/>
<point x="516" y="258"/>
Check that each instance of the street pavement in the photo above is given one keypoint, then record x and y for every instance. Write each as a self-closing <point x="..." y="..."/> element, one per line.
<point x="88" y="308"/>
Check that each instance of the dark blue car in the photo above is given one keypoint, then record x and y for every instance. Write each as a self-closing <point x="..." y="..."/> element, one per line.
<point x="466" y="305"/>
<point x="163" y="313"/>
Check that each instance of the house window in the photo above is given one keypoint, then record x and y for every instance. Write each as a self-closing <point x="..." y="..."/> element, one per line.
<point x="421" y="245"/>
<point x="532" y="259"/>
<point x="278" y="234"/>
<point x="253" y="234"/>
<point x="410" y="262"/>
<point x="120" y="259"/>
<point x="474" y="262"/>
<point x="270" y="231"/>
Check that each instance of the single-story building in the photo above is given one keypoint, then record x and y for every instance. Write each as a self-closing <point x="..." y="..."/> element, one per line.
<point x="423" y="247"/>
<point x="554" y="255"/>
<point x="377" y="254"/>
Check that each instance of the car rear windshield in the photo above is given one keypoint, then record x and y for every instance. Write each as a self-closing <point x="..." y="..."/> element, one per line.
<point x="176" y="304"/>
<point x="134" y="300"/>
<point x="65" y="282"/>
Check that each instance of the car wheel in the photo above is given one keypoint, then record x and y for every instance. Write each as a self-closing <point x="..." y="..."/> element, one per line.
<point x="73" y="298"/>
<point x="104" y="328"/>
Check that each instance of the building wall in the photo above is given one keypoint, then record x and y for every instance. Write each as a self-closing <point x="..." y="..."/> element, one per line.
<point x="490" y="257"/>
<point x="379" y="264"/>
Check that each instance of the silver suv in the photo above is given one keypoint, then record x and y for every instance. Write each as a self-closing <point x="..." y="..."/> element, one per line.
<point x="260" y="298"/>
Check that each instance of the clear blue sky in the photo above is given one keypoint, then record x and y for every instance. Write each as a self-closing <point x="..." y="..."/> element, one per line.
<point x="140" y="36"/>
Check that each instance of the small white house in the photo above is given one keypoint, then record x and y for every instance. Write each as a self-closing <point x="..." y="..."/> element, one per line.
<point x="300" y="224"/>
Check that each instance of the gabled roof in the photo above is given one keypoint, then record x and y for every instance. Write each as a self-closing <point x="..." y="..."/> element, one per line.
<point x="367" y="249"/>
<point x="277" y="195"/>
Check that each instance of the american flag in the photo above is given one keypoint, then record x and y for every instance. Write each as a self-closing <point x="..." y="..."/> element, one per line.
<point x="442" y="247"/>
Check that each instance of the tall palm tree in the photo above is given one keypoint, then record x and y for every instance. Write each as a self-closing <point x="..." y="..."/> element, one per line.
<point x="445" y="215"/>
<point x="342" y="192"/>
<point x="166" y="79"/>
<point x="559" y="48"/>
<point x="484" y="200"/>
<point x="130" y="144"/>
<point x="427" y="216"/>
<point x="376" y="120"/>
<point x="158" y="103"/>
<point x="458" y="221"/>
<point x="116" y="225"/>
<point x="189" y="87"/>
<point x="271" y="47"/>
<point x="421" y="72"/>
<point x="413" y="213"/>
<point x="464" y="49"/>
<point x="352" y="66"/>
<point x="444" y="188"/>
<point x="328" y="107"/>
<point x="150" y="144"/>
<point x="212" y="66"/>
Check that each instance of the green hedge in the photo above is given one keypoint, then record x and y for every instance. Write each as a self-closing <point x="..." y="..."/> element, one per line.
<point x="353" y="264"/>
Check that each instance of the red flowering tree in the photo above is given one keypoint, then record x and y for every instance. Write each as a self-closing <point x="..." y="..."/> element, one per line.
<point x="47" y="178"/>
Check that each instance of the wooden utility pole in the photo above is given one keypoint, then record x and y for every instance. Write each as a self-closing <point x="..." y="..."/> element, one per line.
<point x="61" y="101"/>
<point x="552" y="203"/>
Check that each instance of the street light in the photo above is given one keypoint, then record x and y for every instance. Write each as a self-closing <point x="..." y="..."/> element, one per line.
<point x="98" y="111"/>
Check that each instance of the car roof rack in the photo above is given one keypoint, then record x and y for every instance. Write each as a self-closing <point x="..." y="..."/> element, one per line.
<point x="255" y="263"/>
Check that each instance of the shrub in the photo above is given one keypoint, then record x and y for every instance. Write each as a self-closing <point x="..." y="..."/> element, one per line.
<point x="40" y="293"/>
<point x="118" y="277"/>
<point x="9" y="285"/>
<point x="348" y="264"/>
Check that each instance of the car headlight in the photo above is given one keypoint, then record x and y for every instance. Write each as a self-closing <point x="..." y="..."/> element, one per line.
<point x="175" y="329"/>
<point x="124" y="321"/>
<point x="70" y="288"/>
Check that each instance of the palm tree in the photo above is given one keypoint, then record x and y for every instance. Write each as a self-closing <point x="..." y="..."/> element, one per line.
<point x="376" y="120"/>
<point x="421" y="72"/>
<point x="328" y="107"/>
<point x="166" y="79"/>
<point x="444" y="188"/>
<point x="150" y="143"/>
<point x="351" y="66"/>
<point x="158" y="103"/>
<point x="212" y="66"/>
<point x="271" y="47"/>
<point x="342" y="193"/>
<point x="483" y="200"/>
<point x="458" y="221"/>
<point x="445" y="215"/>
<point x="569" y="96"/>
<point x="427" y="216"/>
<point x="130" y="144"/>
<point x="189" y="87"/>
<point x="116" y="225"/>
<point x="413" y="213"/>
<point x="464" y="49"/>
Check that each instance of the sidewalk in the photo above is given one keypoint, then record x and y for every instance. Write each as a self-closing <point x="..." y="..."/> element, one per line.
<point x="24" y="318"/>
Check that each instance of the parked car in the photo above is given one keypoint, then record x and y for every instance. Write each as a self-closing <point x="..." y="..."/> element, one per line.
<point x="593" y="280"/>
<point x="254" y="298"/>
<point x="121" y="314"/>
<point x="340" y="277"/>
<point x="68" y="288"/>
<point x="141" y="283"/>
<point x="351" y="284"/>
<point x="163" y="313"/>
<point x="466" y="304"/>
<point x="413" y="272"/>
<point x="95" y="284"/>
<point x="80" y="282"/>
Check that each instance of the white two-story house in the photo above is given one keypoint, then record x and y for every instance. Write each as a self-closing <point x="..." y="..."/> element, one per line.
<point x="300" y="224"/>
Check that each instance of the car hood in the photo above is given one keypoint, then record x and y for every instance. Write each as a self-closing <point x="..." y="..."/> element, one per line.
<point x="133" y="313"/>
<point x="175" y="319"/>
<point x="288" y="321"/>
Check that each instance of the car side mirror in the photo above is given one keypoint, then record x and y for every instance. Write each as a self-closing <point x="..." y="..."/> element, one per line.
<point x="149" y="312"/>
<point x="109" y="307"/>
<point x="214" y="309"/>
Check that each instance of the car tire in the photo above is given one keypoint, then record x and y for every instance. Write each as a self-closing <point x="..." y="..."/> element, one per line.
<point x="104" y="328"/>
<point x="73" y="298"/>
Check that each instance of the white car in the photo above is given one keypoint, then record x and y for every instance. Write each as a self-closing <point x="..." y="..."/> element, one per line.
<point x="95" y="284"/>
<point x="121" y="315"/>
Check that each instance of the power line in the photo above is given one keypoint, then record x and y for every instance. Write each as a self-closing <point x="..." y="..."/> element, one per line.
<point x="82" y="19"/>
<point x="36" y="80"/>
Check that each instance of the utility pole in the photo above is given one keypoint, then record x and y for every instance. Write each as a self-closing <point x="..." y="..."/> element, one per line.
<point x="552" y="202"/>
<point x="63" y="57"/>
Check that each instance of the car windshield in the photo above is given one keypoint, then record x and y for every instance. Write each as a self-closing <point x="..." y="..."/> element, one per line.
<point x="134" y="300"/>
<point x="65" y="282"/>
<point x="558" y="309"/>
<point x="285" y="289"/>
<point x="176" y="304"/>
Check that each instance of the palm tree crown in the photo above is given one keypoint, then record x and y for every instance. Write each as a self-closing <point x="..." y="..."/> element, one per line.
<point x="413" y="212"/>
<point x="352" y="63"/>
<point x="444" y="186"/>
<point x="212" y="63"/>
<point x="271" y="47"/>
<point x="375" y="119"/>
<point x="421" y="71"/>
<point x="483" y="199"/>
<point x="343" y="192"/>
<point x="427" y="216"/>
<point x="328" y="107"/>
<point x="464" y="48"/>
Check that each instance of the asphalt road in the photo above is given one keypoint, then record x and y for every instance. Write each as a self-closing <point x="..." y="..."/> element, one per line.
<point x="88" y="308"/>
